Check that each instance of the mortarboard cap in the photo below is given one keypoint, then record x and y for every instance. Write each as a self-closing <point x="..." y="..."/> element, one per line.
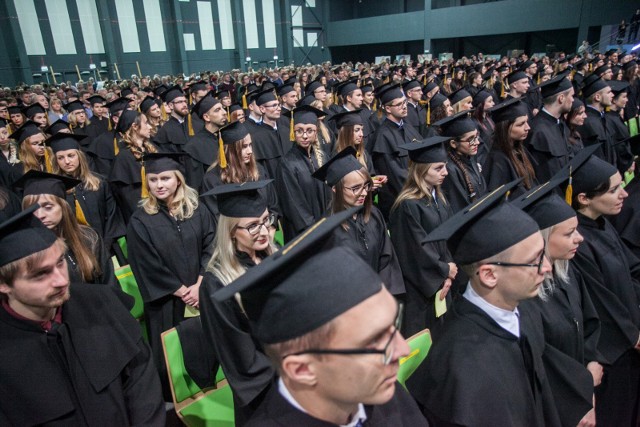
<point x="307" y="100"/>
<point x="14" y="109"/>
<point x="601" y="69"/>
<point x="205" y="104"/>
<point x="338" y="166"/>
<point x="554" y="86"/>
<point x="62" y="141"/>
<point x="265" y="96"/>
<point x="544" y="205"/>
<point x="74" y="106"/>
<point x="411" y="84"/>
<point x="429" y="150"/>
<point x="629" y="65"/>
<point x="23" y="235"/>
<point x="508" y="110"/>
<point x="233" y="132"/>
<point x="96" y="99"/>
<point x="458" y="96"/>
<point x="306" y="115"/>
<point x="389" y="93"/>
<point x="480" y="97"/>
<point x="33" y="109"/>
<point x="223" y="93"/>
<point x="163" y="162"/>
<point x="240" y="200"/>
<point x="345" y="88"/>
<point x="437" y="100"/>
<point x="593" y="86"/>
<point x="515" y="76"/>
<point x="285" y="89"/>
<point x="35" y="182"/>
<point x="147" y="103"/>
<point x="591" y="172"/>
<point x="199" y="85"/>
<point x="618" y="86"/>
<point x="456" y="125"/>
<point x="312" y="87"/>
<point x="127" y="118"/>
<point x="25" y="131"/>
<point x="172" y="93"/>
<point x="347" y="118"/>
<point x="124" y="92"/>
<point x="118" y="104"/>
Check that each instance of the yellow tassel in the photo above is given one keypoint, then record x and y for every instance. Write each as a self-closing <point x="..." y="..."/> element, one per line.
<point x="374" y="107"/>
<point x="190" y="125"/>
<point x="502" y="89"/>
<point x="292" y="135"/>
<point x="424" y="79"/>
<point x="573" y="74"/>
<point x="568" y="195"/>
<point x="221" y="157"/>
<point x="429" y="113"/>
<point x="244" y="101"/>
<point x="164" y="112"/>
<point x="47" y="161"/>
<point x="110" y="128"/>
<point x="139" y="111"/>
<point x="228" y="115"/>
<point x="538" y="80"/>
<point x="79" y="214"/>
<point x="116" y="150"/>
<point x="143" y="176"/>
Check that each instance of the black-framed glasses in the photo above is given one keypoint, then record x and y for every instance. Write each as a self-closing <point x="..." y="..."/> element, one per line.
<point x="509" y="264"/>
<point x="400" y="104"/>
<point x="472" y="141"/>
<point x="358" y="189"/>
<point x="273" y="106"/>
<point x="254" y="228"/>
<point x="386" y="352"/>
<point x="301" y="132"/>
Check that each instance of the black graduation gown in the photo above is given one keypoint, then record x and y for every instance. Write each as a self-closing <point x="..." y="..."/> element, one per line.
<point x="11" y="207"/>
<point x="172" y="136"/>
<point x="416" y="116"/>
<point x="400" y="411"/>
<point x="165" y="254"/>
<point x="594" y="131"/>
<point x="619" y="131"/>
<point x="126" y="182"/>
<point x="475" y="373"/>
<point x="499" y="170"/>
<point x="94" y="243"/>
<point x="486" y="131"/>
<point x="371" y="241"/>
<point x="627" y="222"/>
<point x="455" y="186"/>
<point x="100" y="210"/>
<point x="302" y="198"/>
<point x="269" y="146"/>
<point x="391" y="161"/>
<point x="424" y="264"/>
<point x="92" y="370"/>
<point x="548" y="144"/>
<point x="97" y="127"/>
<point x="102" y="151"/>
<point x="203" y="151"/>
<point x="611" y="274"/>
<point x="246" y="367"/>
<point x="367" y="127"/>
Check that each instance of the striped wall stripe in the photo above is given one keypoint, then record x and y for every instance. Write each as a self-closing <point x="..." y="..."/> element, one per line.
<point x="226" y="24"/>
<point x="29" y="26"/>
<point x="127" y="25"/>
<point x="90" y="26"/>
<point x="269" y="21"/>
<point x="155" y="27"/>
<point x="250" y="24"/>
<point x="205" y="19"/>
<point x="60" y="27"/>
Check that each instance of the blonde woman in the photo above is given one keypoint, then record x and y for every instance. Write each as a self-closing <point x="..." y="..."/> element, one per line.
<point x="420" y="208"/>
<point x="242" y="241"/>
<point x="77" y="117"/>
<point x="33" y="153"/>
<point x="169" y="241"/>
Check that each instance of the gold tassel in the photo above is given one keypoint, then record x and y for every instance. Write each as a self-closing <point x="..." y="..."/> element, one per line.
<point x="109" y="127"/>
<point x="374" y="107"/>
<point x="502" y="89"/>
<point x="292" y="134"/>
<point x="424" y="79"/>
<point x="568" y="195"/>
<point x="429" y="113"/>
<point x="164" y="112"/>
<point x="79" y="213"/>
<point x="221" y="157"/>
<point x="143" y="176"/>
<point x="47" y="161"/>
<point x="244" y="101"/>
<point x="573" y="74"/>
<point x="538" y="80"/>
<point x="228" y="115"/>
<point x="190" y="125"/>
<point x="116" y="149"/>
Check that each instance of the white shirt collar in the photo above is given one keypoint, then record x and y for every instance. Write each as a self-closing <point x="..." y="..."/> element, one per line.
<point x="361" y="415"/>
<point x="507" y="320"/>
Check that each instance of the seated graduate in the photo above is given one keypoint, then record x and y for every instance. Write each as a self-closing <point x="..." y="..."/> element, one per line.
<point x="330" y="328"/>
<point x="71" y="353"/>
<point x="427" y="267"/>
<point x="169" y="242"/>
<point x="627" y="222"/>
<point x="485" y="365"/>
<point x="366" y="231"/>
<point x="242" y="241"/>
<point x="612" y="277"/>
<point x="87" y="259"/>
<point x="483" y="101"/>
<point x="33" y="152"/>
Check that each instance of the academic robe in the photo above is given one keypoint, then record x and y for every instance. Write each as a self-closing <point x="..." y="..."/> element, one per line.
<point x="392" y="161"/>
<point x="594" y="131"/>
<point x="246" y="367"/>
<point x="611" y="274"/>
<point x="203" y="151"/>
<point x="499" y="170"/>
<point x="627" y="222"/>
<point x="164" y="255"/>
<point x="485" y="132"/>
<point x="424" y="264"/>
<point x="371" y="241"/>
<point x="102" y="151"/>
<point x="269" y="146"/>
<point x="619" y="131"/>
<point x="479" y="374"/>
<point x="94" y="369"/>
<point x="100" y="210"/>
<point x="172" y="136"/>
<point x="96" y="246"/>
<point x="455" y="186"/>
<point x="367" y="127"/>
<point x="126" y="182"/>
<point x="416" y="116"/>
<point x="548" y="144"/>
<point x="302" y="198"/>
<point x="400" y="411"/>
<point x="97" y="127"/>
<point x="12" y="205"/>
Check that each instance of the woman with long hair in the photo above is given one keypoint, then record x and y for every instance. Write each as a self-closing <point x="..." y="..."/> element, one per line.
<point x="8" y="148"/>
<point x="56" y="112"/>
<point x="324" y="137"/>
<point x="509" y="159"/>
<point x="461" y="100"/>
<point x="483" y="101"/>
<point x="33" y="152"/>
<point x="87" y="260"/>
<point x="365" y="232"/>
<point x="77" y="117"/>
<point x="150" y="107"/>
<point x="428" y="268"/>
<point x="242" y="241"/>
<point x="92" y="199"/>
<point x="612" y="275"/>
<point x="351" y="134"/>
<point x="575" y="118"/>
<point x="127" y="171"/>
<point x="465" y="183"/>
<point x="169" y="241"/>
<point x="440" y="108"/>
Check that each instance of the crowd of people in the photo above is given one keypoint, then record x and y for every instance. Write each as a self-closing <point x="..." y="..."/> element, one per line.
<point x="310" y="218"/>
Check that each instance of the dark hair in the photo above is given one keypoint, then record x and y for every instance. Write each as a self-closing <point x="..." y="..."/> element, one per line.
<point x="598" y="190"/>
<point x="338" y="203"/>
<point x="515" y="152"/>
<point x="237" y="171"/>
<point x="438" y="113"/>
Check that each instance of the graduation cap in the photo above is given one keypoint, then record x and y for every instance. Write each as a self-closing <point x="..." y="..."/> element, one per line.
<point x="127" y="118"/>
<point x="485" y="228"/>
<point x="508" y="110"/>
<point x="347" y="118"/>
<point x="224" y="93"/>
<point x="290" y="81"/>
<point x="285" y="89"/>
<point x="62" y="141"/>
<point x="235" y="107"/>
<point x="300" y="288"/>
<point x="240" y="200"/>
<point x="265" y="96"/>
<point x="589" y="171"/>
<point x="577" y="103"/>
<point x="31" y="110"/>
<point x="618" y="86"/>
<point x="554" y="86"/>
<point x="480" y="97"/>
<point x="312" y="87"/>
<point x="267" y="86"/>
<point x="74" y="106"/>
<point x="304" y="114"/>
<point x="456" y="125"/>
<point x="629" y="65"/>
<point x="126" y="91"/>
<point x="35" y="182"/>
<point x="487" y="74"/>
<point x="14" y="109"/>
<point x="163" y="162"/>
<point x="199" y="85"/>
<point x="25" y="131"/>
<point x="593" y="86"/>
<point x="430" y="86"/>
<point x="233" y="132"/>
<point x="429" y="150"/>
<point x="601" y="69"/>
<point x="515" y="76"/>
<point x="96" y="99"/>
<point x="338" y="167"/>
<point x="345" y="88"/>
<point x="437" y="100"/>
<point x="118" y="104"/>
<point x="147" y="103"/>
<point x="172" y="93"/>
<point x="544" y="205"/>
<point x="389" y="93"/>
<point x="306" y="101"/>
<point x="411" y="84"/>
<point x="526" y="64"/>
<point x="251" y="95"/>
<point x="159" y="90"/>
<point x="458" y="96"/>
<point x="503" y="68"/>
<point x="23" y="235"/>
<point x="205" y="104"/>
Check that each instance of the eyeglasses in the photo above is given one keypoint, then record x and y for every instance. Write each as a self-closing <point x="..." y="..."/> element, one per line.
<point x="273" y="106"/>
<point x="538" y="265"/>
<point x="254" y="228"/>
<point x="400" y="104"/>
<point x="472" y="141"/>
<point x="357" y="189"/>
<point x="386" y="352"/>
<point x="302" y="132"/>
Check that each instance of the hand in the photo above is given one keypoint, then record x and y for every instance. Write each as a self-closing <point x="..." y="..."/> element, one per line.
<point x="589" y="420"/>
<point x="379" y="181"/>
<point x="596" y="372"/>
<point x="180" y="292"/>
<point x="190" y="297"/>
<point x="445" y="289"/>
<point x="453" y="271"/>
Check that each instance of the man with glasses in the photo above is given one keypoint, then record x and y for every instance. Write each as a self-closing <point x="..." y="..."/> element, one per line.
<point x="270" y="142"/>
<point x="330" y="328"/>
<point x="416" y="113"/>
<point x="387" y="158"/>
<point x="174" y="134"/>
<point x="485" y="365"/>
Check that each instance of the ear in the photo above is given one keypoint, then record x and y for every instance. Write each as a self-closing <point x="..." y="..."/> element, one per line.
<point x="301" y="369"/>
<point x="333" y="188"/>
<point x="583" y="199"/>
<point x="5" y="289"/>
<point x="487" y="275"/>
<point x="452" y="143"/>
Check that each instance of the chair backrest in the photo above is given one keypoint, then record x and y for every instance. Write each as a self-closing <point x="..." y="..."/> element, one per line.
<point x="181" y="384"/>
<point x="419" y="344"/>
<point x="129" y="286"/>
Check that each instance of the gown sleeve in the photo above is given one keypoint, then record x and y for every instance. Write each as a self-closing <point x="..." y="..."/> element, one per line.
<point x="293" y="205"/>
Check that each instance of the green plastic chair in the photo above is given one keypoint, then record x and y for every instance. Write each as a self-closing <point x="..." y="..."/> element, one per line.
<point x="212" y="407"/>
<point x="419" y="344"/>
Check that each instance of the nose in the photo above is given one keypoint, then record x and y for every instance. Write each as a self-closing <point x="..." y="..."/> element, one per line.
<point x="40" y="214"/>
<point x="61" y="277"/>
<point x="546" y="265"/>
<point x="402" y="348"/>
<point x="623" y="193"/>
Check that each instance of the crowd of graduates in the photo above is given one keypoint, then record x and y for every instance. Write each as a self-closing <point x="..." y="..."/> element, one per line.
<point x="198" y="181"/>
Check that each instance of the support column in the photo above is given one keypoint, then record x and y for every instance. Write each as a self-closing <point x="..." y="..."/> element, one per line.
<point x="426" y="46"/>
<point x="110" y="50"/>
<point x="23" y="70"/>
<point x="583" y="25"/>
<point x="288" y="32"/>
<point x="241" y="38"/>
<point x="179" y="29"/>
